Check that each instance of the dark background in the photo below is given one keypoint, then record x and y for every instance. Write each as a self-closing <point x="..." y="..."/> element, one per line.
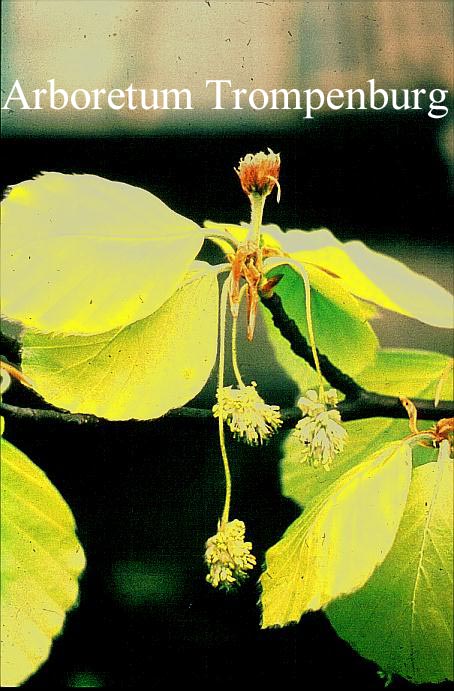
<point x="380" y="178"/>
<point x="147" y="495"/>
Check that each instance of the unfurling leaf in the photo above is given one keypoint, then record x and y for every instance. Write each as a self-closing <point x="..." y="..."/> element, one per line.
<point x="403" y="617"/>
<point x="140" y="370"/>
<point x="41" y="561"/>
<point x="341" y="327"/>
<point x="82" y="254"/>
<point x="335" y="545"/>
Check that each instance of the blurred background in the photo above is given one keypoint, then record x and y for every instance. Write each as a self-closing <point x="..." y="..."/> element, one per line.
<point x="145" y="496"/>
<point x="318" y="44"/>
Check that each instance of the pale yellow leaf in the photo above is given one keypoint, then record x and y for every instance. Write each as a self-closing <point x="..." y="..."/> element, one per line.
<point x="138" y="371"/>
<point x="41" y="561"/>
<point x="341" y="537"/>
<point x="82" y="254"/>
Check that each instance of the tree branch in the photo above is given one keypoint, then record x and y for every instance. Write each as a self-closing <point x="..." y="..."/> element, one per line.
<point x="290" y="331"/>
<point x="367" y="405"/>
<point x="370" y="404"/>
<point x="358" y="404"/>
<point x="56" y="415"/>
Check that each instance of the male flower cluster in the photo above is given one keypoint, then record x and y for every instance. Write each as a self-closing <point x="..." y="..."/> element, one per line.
<point x="319" y="431"/>
<point x="246" y="413"/>
<point x="228" y="556"/>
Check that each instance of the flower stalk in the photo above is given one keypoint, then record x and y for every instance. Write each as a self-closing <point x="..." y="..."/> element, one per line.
<point x="227" y="554"/>
<point x="225" y="460"/>
<point x="257" y="207"/>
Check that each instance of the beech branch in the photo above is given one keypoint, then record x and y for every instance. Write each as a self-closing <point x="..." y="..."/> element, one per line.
<point x="298" y="343"/>
<point x="359" y="403"/>
<point x="368" y="404"/>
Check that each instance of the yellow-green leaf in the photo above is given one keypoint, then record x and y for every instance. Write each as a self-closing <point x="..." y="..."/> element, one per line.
<point x="335" y="545"/>
<point x="41" y="561"/>
<point x="408" y="373"/>
<point x="370" y="275"/>
<point x="140" y="370"/>
<point x="403" y="617"/>
<point x="82" y="254"/>
<point x="341" y="329"/>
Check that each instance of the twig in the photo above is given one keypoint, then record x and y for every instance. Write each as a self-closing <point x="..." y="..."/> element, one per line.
<point x="370" y="404"/>
<point x="367" y="405"/>
<point x="290" y="331"/>
<point x="358" y="404"/>
<point x="57" y="415"/>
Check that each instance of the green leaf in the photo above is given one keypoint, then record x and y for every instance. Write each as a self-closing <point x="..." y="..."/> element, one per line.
<point x="83" y="254"/>
<point x="411" y="373"/>
<point x="335" y="545"/>
<point x="370" y="275"/>
<point x="137" y="371"/>
<point x="41" y="561"/>
<point x="402" y="619"/>
<point x="340" y="324"/>
<point x="408" y="373"/>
